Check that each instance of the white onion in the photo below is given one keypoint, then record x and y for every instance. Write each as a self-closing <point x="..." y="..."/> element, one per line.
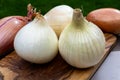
<point x="36" y="42"/>
<point x="82" y="43"/>
<point x="58" y="17"/>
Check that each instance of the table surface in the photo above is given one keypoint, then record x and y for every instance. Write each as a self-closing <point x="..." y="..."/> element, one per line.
<point x="110" y="69"/>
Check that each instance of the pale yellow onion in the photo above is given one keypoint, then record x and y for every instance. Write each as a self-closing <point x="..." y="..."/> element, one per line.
<point x="58" y="17"/>
<point x="36" y="42"/>
<point x="82" y="43"/>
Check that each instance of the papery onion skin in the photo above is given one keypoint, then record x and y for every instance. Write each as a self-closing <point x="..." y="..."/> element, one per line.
<point x="36" y="42"/>
<point x="9" y="26"/>
<point x="108" y="19"/>
<point x="82" y="43"/>
<point x="59" y="17"/>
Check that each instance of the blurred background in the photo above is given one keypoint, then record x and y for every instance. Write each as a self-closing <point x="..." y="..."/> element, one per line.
<point x="18" y="7"/>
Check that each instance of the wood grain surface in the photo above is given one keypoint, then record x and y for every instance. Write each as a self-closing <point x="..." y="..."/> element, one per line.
<point x="12" y="67"/>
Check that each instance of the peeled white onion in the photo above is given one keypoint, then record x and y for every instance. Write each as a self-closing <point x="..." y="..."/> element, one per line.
<point x="36" y="42"/>
<point x="82" y="43"/>
<point x="59" y="17"/>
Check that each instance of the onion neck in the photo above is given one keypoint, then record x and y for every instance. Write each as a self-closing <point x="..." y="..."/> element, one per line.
<point x="78" y="18"/>
<point x="31" y="12"/>
<point x="40" y="19"/>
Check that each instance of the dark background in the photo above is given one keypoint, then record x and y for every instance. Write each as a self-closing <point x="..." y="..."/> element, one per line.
<point x="18" y="7"/>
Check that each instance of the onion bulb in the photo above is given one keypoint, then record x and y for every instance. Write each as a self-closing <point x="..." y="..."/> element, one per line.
<point x="108" y="19"/>
<point x="9" y="26"/>
<point x="58" y="17"/>
<point x="82" y="43"/>
<point x="36" y="42"/>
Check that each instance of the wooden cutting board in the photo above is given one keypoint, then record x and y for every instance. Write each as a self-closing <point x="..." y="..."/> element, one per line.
<point x="12" y="67"/>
